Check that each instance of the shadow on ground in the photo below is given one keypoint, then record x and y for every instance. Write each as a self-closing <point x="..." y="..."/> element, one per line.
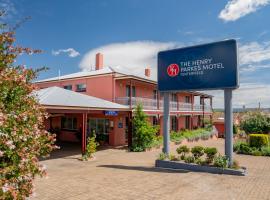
<point x="141" y="168"/>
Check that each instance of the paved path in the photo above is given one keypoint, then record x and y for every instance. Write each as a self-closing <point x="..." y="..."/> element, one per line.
<point x="117" y="174"/>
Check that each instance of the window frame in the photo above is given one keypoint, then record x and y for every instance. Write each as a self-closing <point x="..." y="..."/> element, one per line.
<point x="68" y="87"/>
<point x="83" y="89"/>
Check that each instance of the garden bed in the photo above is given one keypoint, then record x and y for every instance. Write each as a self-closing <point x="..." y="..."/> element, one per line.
<point x="176" y="165"/>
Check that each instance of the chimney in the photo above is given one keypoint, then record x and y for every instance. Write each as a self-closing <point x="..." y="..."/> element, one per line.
<point x="147" y="72"/>
<point x="99" y="61"/>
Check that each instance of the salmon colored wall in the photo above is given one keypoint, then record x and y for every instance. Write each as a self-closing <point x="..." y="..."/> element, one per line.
<point x="181" y="122"/>
<point x="98" y="86"/>
<point x="142" y="89"/>
<point x="195" y="121"/>
<point x="119" y="133"/>
<point x="181" y="97"/>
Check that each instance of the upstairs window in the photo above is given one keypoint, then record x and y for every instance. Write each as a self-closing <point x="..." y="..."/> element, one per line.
<point x="127" y="90"/>
<point x="133" y="91"/>
<point x="174" y="97"/>
<point x="69" y="123"/>
<point x="187" y="99"/>
<point x="155" y="94"/>
<point x="68" y="87"/>
<point x="81" y="87"/>
<point x="130" y="91"/>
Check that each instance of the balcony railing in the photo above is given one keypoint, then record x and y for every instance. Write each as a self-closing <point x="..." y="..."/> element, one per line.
<point x="152" y="104"/>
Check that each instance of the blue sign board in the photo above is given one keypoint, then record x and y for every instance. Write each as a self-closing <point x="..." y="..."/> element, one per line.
<point x="202" y="67"/>
<point x="110" y="113"/>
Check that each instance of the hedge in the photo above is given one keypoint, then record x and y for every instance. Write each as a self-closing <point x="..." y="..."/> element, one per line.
<point x="258" y="140"/>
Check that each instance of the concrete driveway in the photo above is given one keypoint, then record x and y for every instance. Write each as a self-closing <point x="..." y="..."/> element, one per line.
<point x="117" y="174"/>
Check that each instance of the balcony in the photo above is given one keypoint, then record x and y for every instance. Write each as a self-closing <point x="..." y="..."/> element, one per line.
<point x="152" y="104"/>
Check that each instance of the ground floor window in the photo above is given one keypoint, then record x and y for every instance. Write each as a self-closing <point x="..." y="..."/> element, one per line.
<point x="187" y="122"/>
<point x="174" y="123"/>
<point x="69" y="123"/>
<point x="100" y="127"/>
<point x="155" y="121"/>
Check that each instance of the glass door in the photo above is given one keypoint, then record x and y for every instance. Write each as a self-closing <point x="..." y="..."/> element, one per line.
<point x="100" y="127"/>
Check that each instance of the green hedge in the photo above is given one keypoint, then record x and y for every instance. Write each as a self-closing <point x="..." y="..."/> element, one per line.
<point x="258" y="140"/>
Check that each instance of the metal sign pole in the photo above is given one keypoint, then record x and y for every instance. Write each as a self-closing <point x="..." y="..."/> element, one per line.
<point x="166" y="123"/>
<point x="228" y="125"/>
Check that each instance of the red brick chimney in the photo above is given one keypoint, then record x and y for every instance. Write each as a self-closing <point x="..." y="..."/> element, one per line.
<point x="147" y="72"/>
<point x="99" y="61"/>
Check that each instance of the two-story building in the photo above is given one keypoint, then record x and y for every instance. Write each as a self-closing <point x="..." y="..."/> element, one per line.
<point x="116" y="92"/>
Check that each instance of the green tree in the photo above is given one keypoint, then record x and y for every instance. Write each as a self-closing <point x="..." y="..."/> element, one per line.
<point x="143" y="132"/>
<point x="255" y="122"/>
<point x="23" y="138"/>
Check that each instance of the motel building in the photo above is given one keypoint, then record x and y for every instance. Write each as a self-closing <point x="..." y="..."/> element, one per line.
<point x="103" y="101"/>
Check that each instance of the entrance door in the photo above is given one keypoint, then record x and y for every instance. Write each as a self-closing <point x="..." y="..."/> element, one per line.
<point x="100" y="127"/>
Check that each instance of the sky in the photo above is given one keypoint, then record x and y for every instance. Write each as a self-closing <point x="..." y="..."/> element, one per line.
<point x="130" y="33"/>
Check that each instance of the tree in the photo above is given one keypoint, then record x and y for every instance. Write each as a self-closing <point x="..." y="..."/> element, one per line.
<point x="255" y="122"/>
<point x="23" y="138"/>
<point x="143" y="133"/>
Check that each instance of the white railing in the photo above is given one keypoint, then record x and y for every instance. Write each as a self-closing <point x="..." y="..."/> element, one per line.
<point x="152" y="104"/>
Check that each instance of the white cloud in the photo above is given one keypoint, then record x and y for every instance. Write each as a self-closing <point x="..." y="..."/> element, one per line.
<point x="251" y="56"/>
<point x="130" y="55"/>
<point x="70" y="51"/>
<point x="249" y="94"/>
<point x="236" y="9"/>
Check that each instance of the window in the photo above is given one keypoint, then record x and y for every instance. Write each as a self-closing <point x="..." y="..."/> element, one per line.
<point x="81" y="87"/>
<point x="155" y="121"/>
<point x="68" y="87"/>
<point x="101" y="127"/>
<point x="174" y="97"/>
<point x="174" y="123"/>
<point x="187" y="99"/>
<point x="155" y="94"/>
<point x="128" y="90"/>
<point x="69" y="123"/>
<point x="133" y="91"/>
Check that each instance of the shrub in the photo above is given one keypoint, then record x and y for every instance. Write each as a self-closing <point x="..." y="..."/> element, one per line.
<point x="176" y="137"/>
<point x="258" y="140"/>
<point x="23" y="137"/>
<point x="162" y="156"/>
<point x="182" y="150"/>
<point x="172" y="157"/>
<point x="144" y="134"/>
<point x="237" y="146"/>
<point x="255" y="122"/>
<point x="265" y="151"/>
<point x="244" y="148"/>
<point x="256" y="152"/>
<point x="221" y="161"/>
<point x="199" y="161"/>
<point x="91" y="147"/>
<point x="197" y="151"/>
<point x="210" y="153"/>
<point x="189" y="159"/>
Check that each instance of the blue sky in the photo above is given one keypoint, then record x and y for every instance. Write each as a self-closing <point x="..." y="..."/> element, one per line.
<point x="130" y="32"/>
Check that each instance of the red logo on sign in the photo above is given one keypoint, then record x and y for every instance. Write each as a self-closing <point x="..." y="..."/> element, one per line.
<point x="173" y="70"/>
